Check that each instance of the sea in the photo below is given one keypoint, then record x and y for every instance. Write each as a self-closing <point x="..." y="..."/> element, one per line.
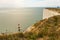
<point x="11" y="17"/>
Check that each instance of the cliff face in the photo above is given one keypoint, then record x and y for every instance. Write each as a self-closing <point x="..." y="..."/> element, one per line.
<point x="48" y="12"/>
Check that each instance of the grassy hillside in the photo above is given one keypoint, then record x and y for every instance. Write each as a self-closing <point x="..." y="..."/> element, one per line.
<point x="46" y="29"/>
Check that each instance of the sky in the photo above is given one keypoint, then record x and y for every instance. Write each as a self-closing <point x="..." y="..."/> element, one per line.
<point x="28" y="3"/>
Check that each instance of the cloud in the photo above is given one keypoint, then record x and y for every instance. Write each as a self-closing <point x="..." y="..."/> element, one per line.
<point x="29" y="3"/>
<point x="49" y="3"/>
<point x="45" y="3"/>
<point x="11" y="3"/>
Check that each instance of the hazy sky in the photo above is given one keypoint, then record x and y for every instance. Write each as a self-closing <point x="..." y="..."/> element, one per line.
<point x="29" y="3"/>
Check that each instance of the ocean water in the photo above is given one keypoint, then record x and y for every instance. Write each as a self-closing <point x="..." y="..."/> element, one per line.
<point x="11" y="17"/>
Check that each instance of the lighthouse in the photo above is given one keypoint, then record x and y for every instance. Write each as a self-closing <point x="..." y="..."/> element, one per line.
<point x="18" y="27"/>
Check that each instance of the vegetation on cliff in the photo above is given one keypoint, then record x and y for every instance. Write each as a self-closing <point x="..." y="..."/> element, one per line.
<point x="47" y="29"/>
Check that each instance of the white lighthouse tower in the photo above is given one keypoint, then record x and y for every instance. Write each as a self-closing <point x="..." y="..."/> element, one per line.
<point x="18" y="27"/>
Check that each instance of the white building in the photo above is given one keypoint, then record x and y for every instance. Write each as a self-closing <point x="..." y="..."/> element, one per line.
<point x="48" y="12"/>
